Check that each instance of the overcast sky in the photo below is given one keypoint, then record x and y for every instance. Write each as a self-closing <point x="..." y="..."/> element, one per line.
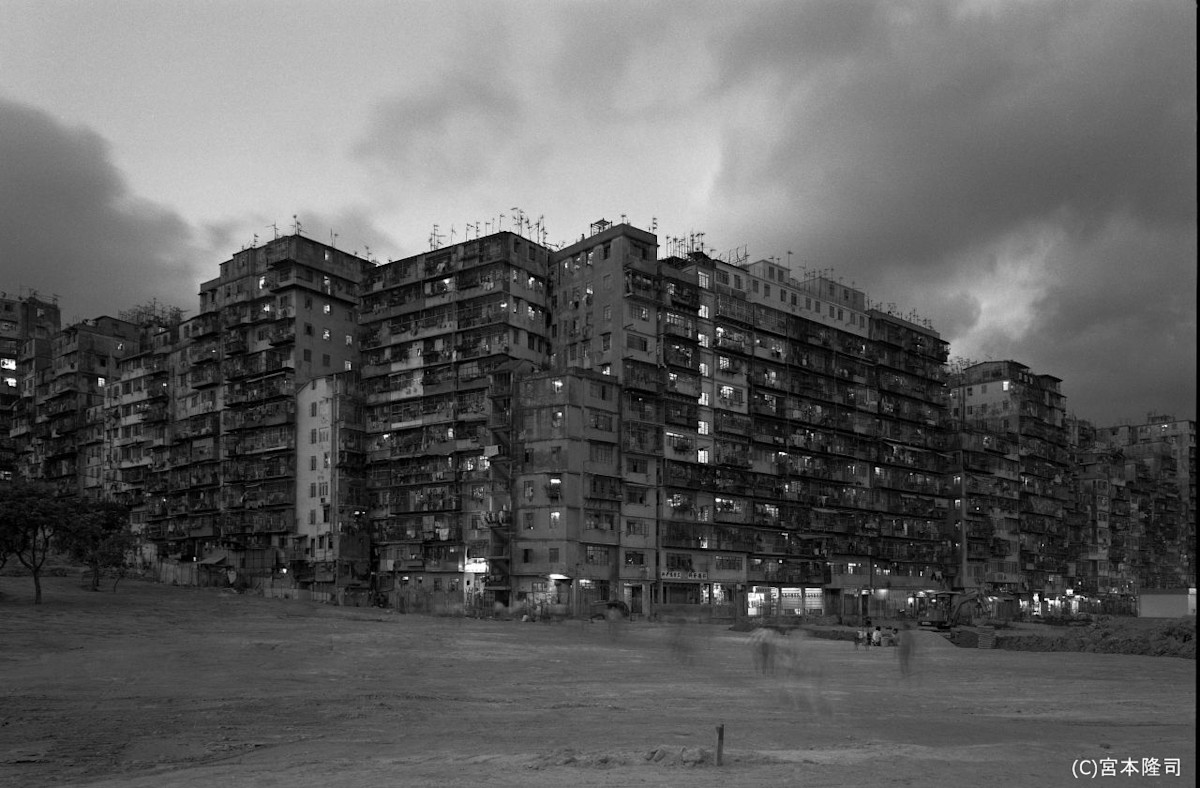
<point x="1020" y="174"/>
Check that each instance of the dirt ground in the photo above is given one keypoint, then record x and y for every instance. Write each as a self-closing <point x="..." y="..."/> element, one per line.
<point x="165" y="686"/>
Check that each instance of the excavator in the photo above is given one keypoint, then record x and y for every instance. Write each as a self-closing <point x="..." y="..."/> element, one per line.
<point x="957" y="608"/>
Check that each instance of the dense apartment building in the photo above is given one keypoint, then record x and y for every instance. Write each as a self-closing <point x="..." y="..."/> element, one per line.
<point x="221" y="485"/>
<point x="138" y="417"/>
<point x="1160" y="471"/>
<point x="497" y="421"/>
<point x="444" y="334"/>
<point x="1022" y="416"/>
<point x="61" y="414"/>
<point x="780" y="442"/>
<point x="27" y="324"/>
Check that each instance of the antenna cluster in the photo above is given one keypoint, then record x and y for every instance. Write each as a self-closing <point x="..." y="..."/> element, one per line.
<point x="521" y="223"/>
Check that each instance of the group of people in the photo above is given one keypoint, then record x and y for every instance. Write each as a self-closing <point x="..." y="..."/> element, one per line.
<point x="867" y="637"/>
<point x="903" y="639"/>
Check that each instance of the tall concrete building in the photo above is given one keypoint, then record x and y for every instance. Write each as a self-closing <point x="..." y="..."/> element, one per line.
<point x="496" y="421"/>
<point x="278" y="317"/>
<point x="27" y="324"/>
<point x="67" y="379"/>
<point x="444" y="334"/>
<point x="780" y="440"/>
<point x="1160" y="459"/>
<point x="1004" y="401"/>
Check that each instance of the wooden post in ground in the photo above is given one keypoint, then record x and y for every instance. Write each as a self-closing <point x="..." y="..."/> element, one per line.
<point x="720" y="743"/>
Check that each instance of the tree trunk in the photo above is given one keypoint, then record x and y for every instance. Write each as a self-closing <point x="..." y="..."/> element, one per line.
<point x="37" y="586"/>
<point x="96" y="576"/>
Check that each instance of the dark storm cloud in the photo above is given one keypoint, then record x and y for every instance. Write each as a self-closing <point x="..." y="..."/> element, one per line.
<point x="926" y="132"/>
<point x="71" y="227"/>
<point x="916" y="145"/>
<point x="1123" y="325"/>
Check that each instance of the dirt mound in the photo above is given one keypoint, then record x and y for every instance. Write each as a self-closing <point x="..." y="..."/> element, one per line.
<point x="1110" y="635"/>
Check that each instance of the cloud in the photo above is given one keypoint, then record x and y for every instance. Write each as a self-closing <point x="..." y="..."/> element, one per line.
<point x="72" y="228"/>
<point x="1023" y="175"/>
<point x="451" y="134"/>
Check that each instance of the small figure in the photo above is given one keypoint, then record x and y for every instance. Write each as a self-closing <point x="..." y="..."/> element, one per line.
<point x="762" y="649"/>
<point x="906" y="650"/>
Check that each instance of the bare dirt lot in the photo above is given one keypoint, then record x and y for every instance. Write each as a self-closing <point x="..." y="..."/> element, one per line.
<point x="165" y="686"/>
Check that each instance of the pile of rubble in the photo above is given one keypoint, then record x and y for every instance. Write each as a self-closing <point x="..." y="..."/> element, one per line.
<point x="1109" y="635"/>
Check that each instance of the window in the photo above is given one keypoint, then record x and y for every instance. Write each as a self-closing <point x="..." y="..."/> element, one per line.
<point x="327" y="309"/>
<point x="552" y="555"/>
<point x="703" y="279"/>
<point x="636" y="528"/>
<point x="635" y="558"/>
<point x="596" y="555"/>
<point x="527" y="556"/>
<point x="326" y="334"/>
<point x="555" y="519"/>
<point x="600" y="452"/>
<point x="325" y="359"/>
<point x="349" y="339"/>
<point x="528" y="518"/>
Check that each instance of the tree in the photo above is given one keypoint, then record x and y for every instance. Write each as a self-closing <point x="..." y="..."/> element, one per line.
<point x="30" y="513"/>
<point x="98" y="536"/>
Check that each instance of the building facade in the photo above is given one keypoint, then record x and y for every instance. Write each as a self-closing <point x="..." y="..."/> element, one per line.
<point x="501" y="422"/>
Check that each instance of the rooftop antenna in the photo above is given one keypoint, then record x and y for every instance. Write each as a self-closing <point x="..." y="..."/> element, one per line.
<point x="297" y="223"/>
<point x="333" y="238"/>
<point x="275" y="227"/>
<point x="653" y="224"/>
<point x="789" y="259"/>
<point x="622" y="218"/>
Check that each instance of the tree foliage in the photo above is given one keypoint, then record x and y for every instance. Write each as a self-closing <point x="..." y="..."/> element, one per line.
<point x="97" y="535"/>
<point x="30" y="515"/>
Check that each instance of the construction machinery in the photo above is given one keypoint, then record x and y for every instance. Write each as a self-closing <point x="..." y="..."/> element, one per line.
<point x="957" y="608"/>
